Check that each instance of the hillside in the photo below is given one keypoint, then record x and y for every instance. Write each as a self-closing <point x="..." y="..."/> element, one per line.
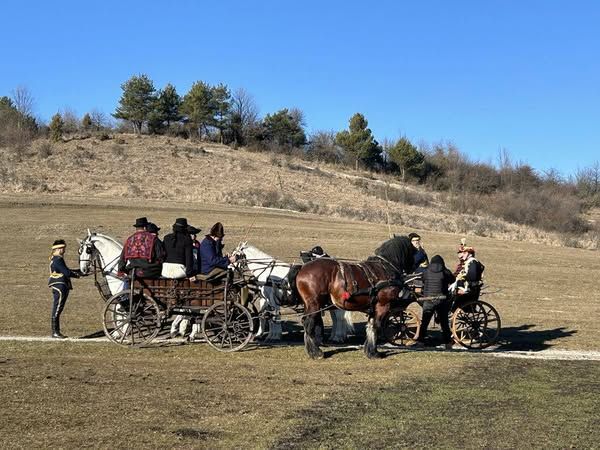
<point x="161" y="168"/>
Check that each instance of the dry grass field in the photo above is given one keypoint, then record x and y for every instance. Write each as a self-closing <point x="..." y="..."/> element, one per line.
<point x="98" y="395"/>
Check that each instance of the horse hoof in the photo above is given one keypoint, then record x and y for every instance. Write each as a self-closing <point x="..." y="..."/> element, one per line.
<point x="374" y="355"/>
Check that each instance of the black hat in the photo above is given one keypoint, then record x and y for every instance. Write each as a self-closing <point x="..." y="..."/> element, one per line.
<point x="191" y="229"/>
<point x="217" y="230"/>
<point x="59" y="243"/>
<point x="412" y="236"/>
<point x="152" y="228"/>
<point x="141" y="222"/>
<point x="317" y="250"/>
<point x="181" y="223"/>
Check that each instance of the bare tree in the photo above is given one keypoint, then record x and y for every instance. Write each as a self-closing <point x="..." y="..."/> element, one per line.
<point x="23" y="100"/>
<point x="244" y="114"/>
<point x="70" y="120"/>
<point x="99" y="119"/>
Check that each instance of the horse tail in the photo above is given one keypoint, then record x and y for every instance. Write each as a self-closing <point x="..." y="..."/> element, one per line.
<point x="295" y="297"/>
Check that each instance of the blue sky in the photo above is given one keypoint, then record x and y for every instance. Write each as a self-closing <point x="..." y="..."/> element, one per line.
<point x="485" y="75"/>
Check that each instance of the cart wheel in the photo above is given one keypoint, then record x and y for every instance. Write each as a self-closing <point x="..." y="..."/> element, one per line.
<point x="131" y="325"/>
<point x="475" y="325"/>
<point x="227" y="333"/>
<point x="401" y="327"/>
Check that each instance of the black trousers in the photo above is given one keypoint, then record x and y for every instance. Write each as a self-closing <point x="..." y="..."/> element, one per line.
<point x="441" y="306"/>
<point x="60" y="293"/>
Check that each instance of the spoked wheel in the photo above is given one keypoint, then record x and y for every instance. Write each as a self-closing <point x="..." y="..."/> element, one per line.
<point x="401" y="327"/>
<point x="475" y="325"/>
<point x="227" y="332"/>
<point x="134" y="324"/>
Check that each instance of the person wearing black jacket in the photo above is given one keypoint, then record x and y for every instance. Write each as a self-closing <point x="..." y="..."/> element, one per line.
<point x="60" y="283"/>
<point x="436" y="279"/>
<point x="179" y="261"/>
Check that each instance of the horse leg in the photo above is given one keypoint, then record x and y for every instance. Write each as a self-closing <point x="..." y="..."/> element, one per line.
<point x="175" y="325"/>
<point x="262" y="322"/>
<point x="373" y="327"/>
<point x="336" y="325"/>
<point x="275" y="321"/>
<point x="310" y="322"/>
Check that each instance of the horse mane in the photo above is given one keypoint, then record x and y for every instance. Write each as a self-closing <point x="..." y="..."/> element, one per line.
<point x="399" y="252"/>
<point x="108" y="238"/>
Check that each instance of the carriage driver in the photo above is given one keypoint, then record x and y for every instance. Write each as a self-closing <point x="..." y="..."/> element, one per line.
<point x="60" y="283"/>
<point x="212" y="262"/>
<point x="468" y="279"/>
<point x="142" y="251"/>
<point x="421" y="258"/>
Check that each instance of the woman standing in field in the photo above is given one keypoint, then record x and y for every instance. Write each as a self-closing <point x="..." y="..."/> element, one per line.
<point x="60" y="283"/>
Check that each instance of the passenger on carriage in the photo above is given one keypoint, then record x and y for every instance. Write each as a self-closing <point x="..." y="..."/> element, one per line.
<point x="421" y="259"/>
<point x="436" y="280"/>
<point x="193" y="232"/>
<point x="468" y="280"/>
<point x="142" y="251"/>
<point x="179" y="261"/>
<point x="314" y="253"/>
<point x="212" y="262"/>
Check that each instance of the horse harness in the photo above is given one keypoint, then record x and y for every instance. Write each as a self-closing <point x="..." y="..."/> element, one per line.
<point x="374" y="285"/>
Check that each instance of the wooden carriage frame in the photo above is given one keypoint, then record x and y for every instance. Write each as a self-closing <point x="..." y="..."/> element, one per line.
<point x="135" y="316"/>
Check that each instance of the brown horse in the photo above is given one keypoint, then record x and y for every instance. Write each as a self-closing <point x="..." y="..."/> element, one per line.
<point x="368" y="286"/>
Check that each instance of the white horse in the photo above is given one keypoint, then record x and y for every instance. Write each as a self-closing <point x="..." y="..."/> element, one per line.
<point x="272" y="277"/>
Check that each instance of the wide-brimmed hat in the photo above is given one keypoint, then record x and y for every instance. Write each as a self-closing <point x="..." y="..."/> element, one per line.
<point x="152" y="228"/>
<point x="59" y="243"/>
<point x="181" y="222"/>
<point x="141" y="222"/>
<point x="217" y="230"/>
<point x="191" y="229"/>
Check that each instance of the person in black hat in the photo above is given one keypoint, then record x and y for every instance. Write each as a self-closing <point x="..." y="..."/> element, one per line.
<point x="212" y="261"/>
<point x="179" y="261"/>
<point x="60" y="283"/>
<point x="436" y="280"/>
<point x="142" y="251"/>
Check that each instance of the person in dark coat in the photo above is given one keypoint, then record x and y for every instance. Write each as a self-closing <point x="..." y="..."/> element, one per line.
<point x="436" y="279"/>
<point x="421" y="259"/>
<point x="212" y="262"/>
<point x="193" y="232"/>
<point x="59" y="282"/>
<point x="179" y="261"/>
<point x="142" y="251"/>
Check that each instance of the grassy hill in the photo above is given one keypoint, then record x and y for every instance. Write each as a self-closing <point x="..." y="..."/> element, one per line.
<point x="160" y="168"/>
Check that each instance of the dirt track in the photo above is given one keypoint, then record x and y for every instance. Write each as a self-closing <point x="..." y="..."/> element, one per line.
<point x="547" y="354"/>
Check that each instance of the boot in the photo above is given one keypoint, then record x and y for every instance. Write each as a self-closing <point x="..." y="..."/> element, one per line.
<point x="56" y="329"/>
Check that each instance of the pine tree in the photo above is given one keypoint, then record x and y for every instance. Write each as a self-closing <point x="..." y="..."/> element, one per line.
<point x="410" y="160"/>
<point x="137" y="101"/>
<point x="284" y="128"/>
<point x="221" y="98"/>
<point x="56" y="127"/>
<point x="359" y="142"/>
<point x="86" y="122"/>
<point x="199" y="108"/>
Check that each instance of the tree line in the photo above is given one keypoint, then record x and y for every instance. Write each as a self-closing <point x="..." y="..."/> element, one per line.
<point x="512" y="190"/>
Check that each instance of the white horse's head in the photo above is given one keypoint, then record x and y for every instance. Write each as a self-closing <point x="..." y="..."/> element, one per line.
<point x="86" y="253"/>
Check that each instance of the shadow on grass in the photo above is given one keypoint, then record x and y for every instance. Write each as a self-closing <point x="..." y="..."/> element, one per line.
<point x="525" y="338"/>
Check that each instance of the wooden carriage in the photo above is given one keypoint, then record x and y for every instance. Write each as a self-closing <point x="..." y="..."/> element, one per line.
<point x="475" y="324"/>
<point x="135" y="316"/>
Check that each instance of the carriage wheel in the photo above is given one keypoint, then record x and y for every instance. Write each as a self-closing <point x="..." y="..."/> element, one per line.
<point x="475" y="325"/>
<point x="131" y="325"/>
<point x="401" y="327"/>
<point x="227" y="333"/>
